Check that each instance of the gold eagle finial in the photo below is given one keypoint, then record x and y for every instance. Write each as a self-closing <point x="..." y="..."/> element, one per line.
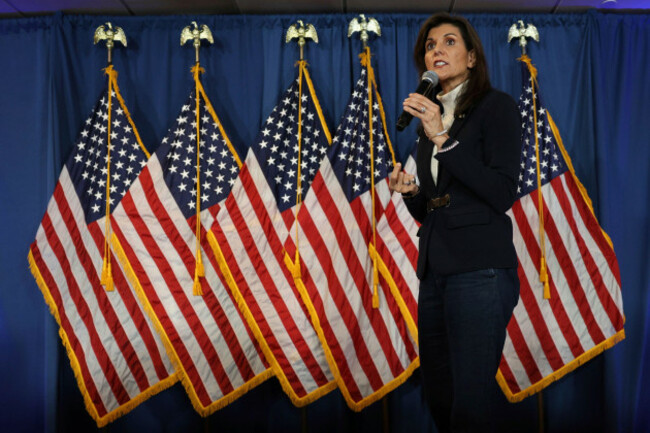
<point x="522" y="32"/>
<point x="364" y="26"/>
<point x="111" y="35"/>
<point x="302" y="32"/>
<point x="196" y="33"/>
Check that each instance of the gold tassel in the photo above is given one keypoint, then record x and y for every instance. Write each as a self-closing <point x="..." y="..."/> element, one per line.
<point x="196" y="288"/>
<point x="107" y="276"/>
<point x="547" y="290"/>
<point x="375" y="285"/>
<point x="543" y="278"/>
<point x="104" y="276"/>
<point x="199" y="264"/>
<point x="199" y="271"/>
<point x="375" y="295"/>
<point x="295" y="271"/>
<point x="375" y="280"/>
<point x="109" y="284"/>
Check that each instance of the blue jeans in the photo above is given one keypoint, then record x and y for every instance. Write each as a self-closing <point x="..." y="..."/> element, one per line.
<point x="462" y="321"/>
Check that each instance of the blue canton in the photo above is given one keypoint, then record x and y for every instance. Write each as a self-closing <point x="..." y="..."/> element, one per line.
<point x="276" y="146"/>
<point x="177" y="154"/>
<point x="551" y="162"/>
<point x="350" y="151"/>
<point x="87" y="164"/>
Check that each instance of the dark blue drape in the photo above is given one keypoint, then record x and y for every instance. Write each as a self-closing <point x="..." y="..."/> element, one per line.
<point x="593" y="71"/>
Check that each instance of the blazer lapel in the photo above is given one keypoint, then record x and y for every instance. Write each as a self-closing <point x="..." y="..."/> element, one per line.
<point x="423" y="161"/>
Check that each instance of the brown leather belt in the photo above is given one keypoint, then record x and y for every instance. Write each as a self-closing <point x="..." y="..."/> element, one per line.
<point x="437" y="202"/>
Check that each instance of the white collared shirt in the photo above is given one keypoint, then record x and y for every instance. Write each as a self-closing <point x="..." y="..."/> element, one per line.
<point x="448" y="101"/>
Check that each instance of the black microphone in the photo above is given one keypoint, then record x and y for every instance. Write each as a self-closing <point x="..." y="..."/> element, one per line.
<point x="428" y="83"/>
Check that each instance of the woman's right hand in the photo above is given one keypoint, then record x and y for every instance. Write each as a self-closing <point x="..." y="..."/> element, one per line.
<point x="402" y="182"/>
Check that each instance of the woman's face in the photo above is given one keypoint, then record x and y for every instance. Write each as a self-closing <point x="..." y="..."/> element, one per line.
<point x="446" y="55"/>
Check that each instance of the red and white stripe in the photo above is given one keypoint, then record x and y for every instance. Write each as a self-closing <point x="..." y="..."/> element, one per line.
<point x="251" y="231"/>
<point x="371" y="349"/>
<point x="585" y="308"/>
<point x="207" y="335"/>
<point x="397" y="244"/>
<point x="117" y="355"/>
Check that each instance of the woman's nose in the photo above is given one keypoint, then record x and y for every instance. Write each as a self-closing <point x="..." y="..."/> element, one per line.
<point x="435" y="52"/>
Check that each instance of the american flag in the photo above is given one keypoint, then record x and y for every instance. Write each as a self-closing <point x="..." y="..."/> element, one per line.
<point x="206" y="337"/>
<point x="548" y="338"/>
<point x="397" y="245"/>
<point x="369" y="348"/>
<point x="117" y="358"/>
<point x="253" y="226"/>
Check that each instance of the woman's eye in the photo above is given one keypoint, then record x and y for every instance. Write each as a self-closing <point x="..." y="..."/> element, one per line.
<point x="450" y="42"/>
<point x="429" y="46"/>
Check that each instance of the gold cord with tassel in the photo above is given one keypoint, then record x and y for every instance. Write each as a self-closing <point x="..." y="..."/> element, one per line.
<point x="106" y="279"/>
<point x="543" y="272"/>
<point x="199" y="270"/>
<point x="295" y="272"/>
<point x="365" y="61"/>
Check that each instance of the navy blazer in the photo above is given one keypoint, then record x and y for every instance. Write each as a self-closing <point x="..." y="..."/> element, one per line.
<point x="480" y="175"/>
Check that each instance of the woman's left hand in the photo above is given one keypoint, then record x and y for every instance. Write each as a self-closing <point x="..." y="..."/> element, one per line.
<point x="429" y="114"/>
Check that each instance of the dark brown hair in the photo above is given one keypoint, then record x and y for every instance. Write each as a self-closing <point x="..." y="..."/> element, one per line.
<point x="478" y="82"/>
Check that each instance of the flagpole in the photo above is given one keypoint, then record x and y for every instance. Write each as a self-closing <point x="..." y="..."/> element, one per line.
<point x="110" y="35"/>
<point x="304" y="425"/>
<point x="521" y="33"/>
<point x="195" y="33"/>
<point x="363" y="26"/>
<point x="302" y="32"/>
<point x="384" y="414"/>
<point x="540" y="412"/>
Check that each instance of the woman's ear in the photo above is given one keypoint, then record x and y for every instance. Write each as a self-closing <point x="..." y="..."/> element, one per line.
<point x="471" y="59"/>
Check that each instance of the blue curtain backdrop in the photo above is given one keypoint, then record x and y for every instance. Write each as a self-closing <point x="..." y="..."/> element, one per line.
<point x="593" y="71"/>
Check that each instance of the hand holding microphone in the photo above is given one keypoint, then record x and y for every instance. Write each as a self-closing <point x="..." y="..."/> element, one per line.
<point x="427" y="85"/>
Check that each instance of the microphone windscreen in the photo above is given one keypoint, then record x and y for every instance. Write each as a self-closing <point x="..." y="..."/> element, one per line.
<point x="431" y="77"/>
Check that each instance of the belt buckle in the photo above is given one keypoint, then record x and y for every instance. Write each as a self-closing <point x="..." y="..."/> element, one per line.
<point x="448" y="197"/>
<point x="438" y="202"/>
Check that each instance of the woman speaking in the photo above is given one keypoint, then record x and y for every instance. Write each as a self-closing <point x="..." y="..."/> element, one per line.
<point x="467" y="163"/>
